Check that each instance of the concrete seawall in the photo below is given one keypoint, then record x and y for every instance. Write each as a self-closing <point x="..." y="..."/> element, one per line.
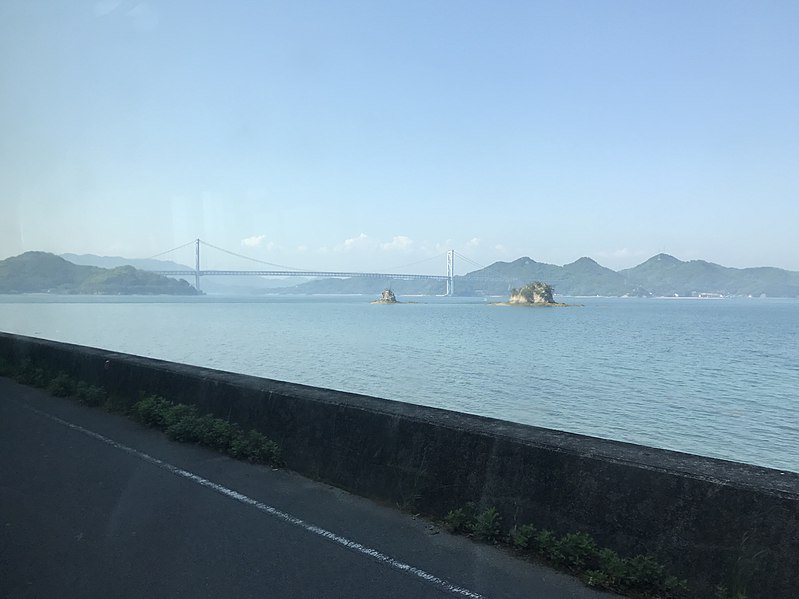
<point x="710" y="521"/>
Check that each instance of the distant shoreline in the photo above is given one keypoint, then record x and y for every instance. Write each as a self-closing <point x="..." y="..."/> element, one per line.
<point x="537" y="305"/>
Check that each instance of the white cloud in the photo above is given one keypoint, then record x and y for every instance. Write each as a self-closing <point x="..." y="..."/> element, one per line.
<point x="399" y="243"/>
<point x="302" y="248"/>
<point x="620" y="257"/>
<point x="362" y="241"/>
<point x="443" y="247"/>
<point x="473" y="242"/>
<point x="255" y="241"/>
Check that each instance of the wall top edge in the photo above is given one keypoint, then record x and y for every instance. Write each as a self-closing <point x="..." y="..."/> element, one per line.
<point x="717" y="471"/>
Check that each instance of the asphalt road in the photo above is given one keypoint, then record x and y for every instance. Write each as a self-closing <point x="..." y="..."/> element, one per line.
<point x="92" y="505"/>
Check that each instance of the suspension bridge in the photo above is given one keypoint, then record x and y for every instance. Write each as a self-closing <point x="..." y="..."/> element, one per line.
<point x="278" y="270"/>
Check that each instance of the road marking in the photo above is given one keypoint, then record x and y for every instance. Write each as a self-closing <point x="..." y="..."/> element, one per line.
<point x="272" y="511"/>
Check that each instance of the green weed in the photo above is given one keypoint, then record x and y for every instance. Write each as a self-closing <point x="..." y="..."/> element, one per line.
<point x="602" y="568"/>
<point x="579" y="550"/>
<point x="521" y="536"/>
<point x="486" y="525"/>
<point x="179" y="422"/>
<point x="548" y="545"/>
<point x="461" y="520"/>
<point x="90" y="395"/>
<point x="28" y="373"/>
<point x="182" y="422"/>
<point x="62" y="385"/>
<point x="255" y="447"/>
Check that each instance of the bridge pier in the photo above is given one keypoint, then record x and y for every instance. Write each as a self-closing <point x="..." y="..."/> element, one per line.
<point x="450" y="272"/>
<point x="197" y="264"/>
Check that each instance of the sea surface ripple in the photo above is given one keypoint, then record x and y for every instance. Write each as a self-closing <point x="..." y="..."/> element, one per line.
<point x="718" y="378"/>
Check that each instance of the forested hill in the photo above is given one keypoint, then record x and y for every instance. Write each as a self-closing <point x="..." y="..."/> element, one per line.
<point x="583" y="277"/>
<point x="41" y="272"/>
<point x="666" y="275"/>
<point x="661" y="275"/>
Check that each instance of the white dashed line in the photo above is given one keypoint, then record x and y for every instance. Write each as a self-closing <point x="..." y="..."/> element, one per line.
<point x="274" y="512"/>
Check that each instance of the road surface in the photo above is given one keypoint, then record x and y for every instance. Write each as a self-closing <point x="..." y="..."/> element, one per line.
<point x="93" y="505"/>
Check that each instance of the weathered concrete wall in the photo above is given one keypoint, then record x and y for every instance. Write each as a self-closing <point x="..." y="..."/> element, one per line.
<point x="707" y="520"/>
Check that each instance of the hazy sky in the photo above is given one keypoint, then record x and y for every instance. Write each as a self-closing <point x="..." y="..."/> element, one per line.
<point x="369" y="135"/>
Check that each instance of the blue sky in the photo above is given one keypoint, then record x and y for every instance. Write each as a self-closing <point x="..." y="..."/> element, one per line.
<point x="368" y="135"/>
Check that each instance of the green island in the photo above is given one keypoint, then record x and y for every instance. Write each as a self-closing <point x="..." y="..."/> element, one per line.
<point x="42" y="272"/>
<point x="535" y="295"/>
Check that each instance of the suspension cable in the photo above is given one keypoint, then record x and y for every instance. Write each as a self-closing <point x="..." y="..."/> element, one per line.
<point x="469" y="260"/>
<point x="242" y="256"/>
<point x="418" y="261"/>
<point x="205" y="243"/>
<point x="180" y="247"/>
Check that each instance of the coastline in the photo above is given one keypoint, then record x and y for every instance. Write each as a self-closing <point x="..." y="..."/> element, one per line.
<point x="538" y="305"/>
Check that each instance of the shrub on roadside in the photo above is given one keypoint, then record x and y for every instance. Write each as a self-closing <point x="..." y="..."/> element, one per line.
<point x="90" y="395"/>
<point x="157" y="412"/>
<point x="62" y="385"/>
<point x="29" y="374"/>
<point x="522" y="536"/>
<point x="579" y="550"/>
<point x="180" y="422"/>
<point x="461" y="520"/>
<point x="602" y="568"/>
<point x="255" y="447"/>
<point x="183" y="423"/>
<point x="548" y="545"/>
<point x="486" y="525"/>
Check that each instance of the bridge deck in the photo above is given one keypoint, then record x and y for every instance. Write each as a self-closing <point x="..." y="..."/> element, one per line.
<point x="300" y="273"/>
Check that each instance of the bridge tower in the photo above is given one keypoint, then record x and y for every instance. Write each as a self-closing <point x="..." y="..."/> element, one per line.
<point x="450" y="272"/>
<point x="197" y="264"/>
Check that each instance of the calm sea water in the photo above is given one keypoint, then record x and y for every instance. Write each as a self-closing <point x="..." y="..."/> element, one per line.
<point x="713" y="377"/>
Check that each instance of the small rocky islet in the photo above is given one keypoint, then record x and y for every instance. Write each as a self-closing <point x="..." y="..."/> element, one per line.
<point x="387" y="297"/>
<point x="535" y="294"/>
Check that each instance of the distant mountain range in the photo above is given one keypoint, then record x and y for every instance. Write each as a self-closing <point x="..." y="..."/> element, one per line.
<point x="40" y="272"/>
<point x="661" y="275"/>
<point x="116" y="261"/>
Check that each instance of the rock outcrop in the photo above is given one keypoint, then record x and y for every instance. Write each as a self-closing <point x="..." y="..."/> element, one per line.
<point x="387" y="297"/>
<point x="533" y="293"/>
